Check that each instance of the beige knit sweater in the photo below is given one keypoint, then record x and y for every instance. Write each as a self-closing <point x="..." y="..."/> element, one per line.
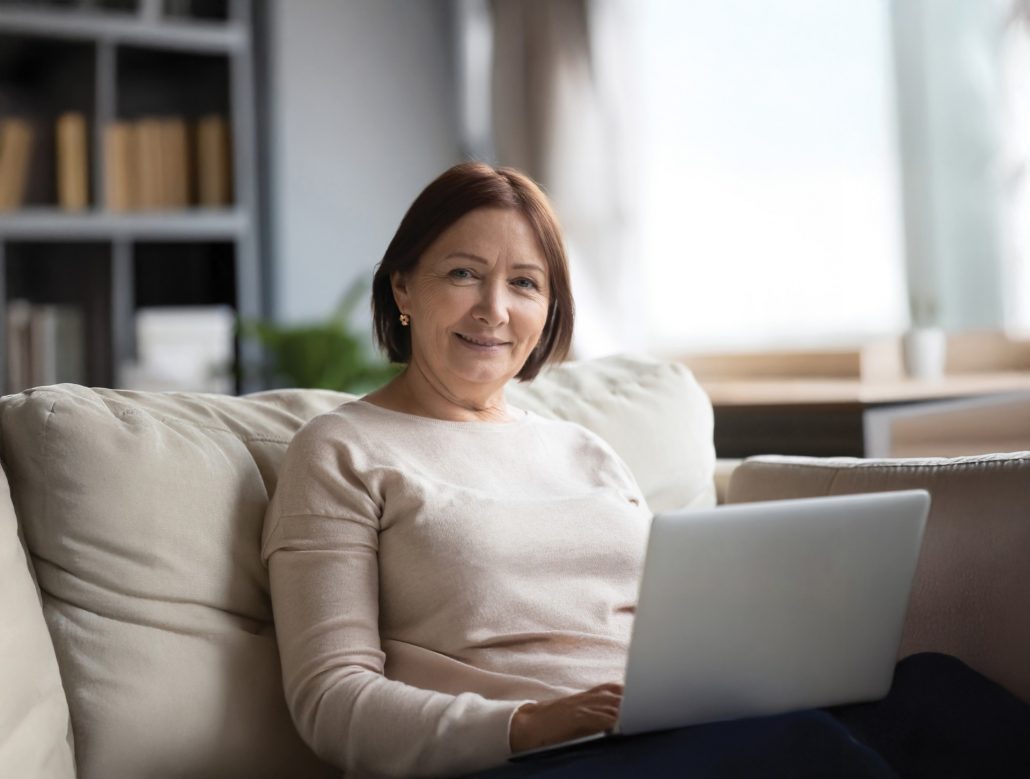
<point x="428" y="577"/>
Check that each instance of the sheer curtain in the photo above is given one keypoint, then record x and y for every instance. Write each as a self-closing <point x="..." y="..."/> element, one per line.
<point x="950" y="102"/>
<point x="1015" y="64"/>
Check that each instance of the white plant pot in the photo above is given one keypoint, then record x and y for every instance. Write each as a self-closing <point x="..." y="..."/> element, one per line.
<point x="924" y="351"/>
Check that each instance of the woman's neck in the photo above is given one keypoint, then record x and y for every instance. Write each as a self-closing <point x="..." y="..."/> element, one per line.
<point x="417" y="392"/>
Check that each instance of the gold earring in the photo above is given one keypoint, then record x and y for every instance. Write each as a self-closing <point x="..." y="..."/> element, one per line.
<point x="405" y="320"/>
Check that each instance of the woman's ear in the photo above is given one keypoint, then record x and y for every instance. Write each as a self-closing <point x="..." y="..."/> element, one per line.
<point x="399" y="285"/>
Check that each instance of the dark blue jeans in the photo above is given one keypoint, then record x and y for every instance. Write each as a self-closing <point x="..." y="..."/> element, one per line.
<point x="940" y="720"/>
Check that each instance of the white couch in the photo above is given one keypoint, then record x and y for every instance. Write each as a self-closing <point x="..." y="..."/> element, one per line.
<point x="147" y="647"/>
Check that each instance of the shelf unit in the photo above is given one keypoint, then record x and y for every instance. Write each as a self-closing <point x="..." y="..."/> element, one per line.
<point x="124" y="60"/>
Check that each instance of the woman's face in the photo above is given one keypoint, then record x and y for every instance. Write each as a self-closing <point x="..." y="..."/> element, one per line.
<point x="478" y="301"/>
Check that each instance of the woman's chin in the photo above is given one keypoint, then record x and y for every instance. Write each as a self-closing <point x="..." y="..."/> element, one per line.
<point x="486" y="371"/>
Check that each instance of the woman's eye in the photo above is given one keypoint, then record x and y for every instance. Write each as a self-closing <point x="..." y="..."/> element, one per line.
<point x="526" y="284"/>
<point x="461" y="274"/>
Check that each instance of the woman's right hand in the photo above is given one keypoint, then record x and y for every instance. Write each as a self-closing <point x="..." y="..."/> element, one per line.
<point x="550" y="722"/>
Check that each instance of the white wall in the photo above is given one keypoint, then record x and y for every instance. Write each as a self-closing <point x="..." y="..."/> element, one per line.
<point x="363" y="116"/>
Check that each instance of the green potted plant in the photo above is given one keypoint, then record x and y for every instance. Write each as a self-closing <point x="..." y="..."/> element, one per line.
<point x="322" y="355"/>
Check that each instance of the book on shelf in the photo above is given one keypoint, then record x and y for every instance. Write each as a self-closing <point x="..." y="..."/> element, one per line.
<point x="45" y="345"/>
<point x="214" y="181"/>
<point x="176" y="147"/>
<point x="147" y="164"/>
<point x="118" y="180"/>
<point x="165" y="163"/>
<point x="16" y="139"/>
<point x="175" y="160"/>
<point x="72" y="162"/>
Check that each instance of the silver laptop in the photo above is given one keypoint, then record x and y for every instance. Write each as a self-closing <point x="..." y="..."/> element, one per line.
<point x="756" y="609"/>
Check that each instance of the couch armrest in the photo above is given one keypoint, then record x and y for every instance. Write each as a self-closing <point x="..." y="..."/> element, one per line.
<point x="971" y="596"/>
<point x="35" y="735"/>
<point x="724" y="468"/>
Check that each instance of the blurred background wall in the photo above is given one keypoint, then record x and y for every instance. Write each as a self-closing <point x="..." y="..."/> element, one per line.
<point x="361" y="115"/>
<point x="732" y="176"/>
<point x="789" y="173"/>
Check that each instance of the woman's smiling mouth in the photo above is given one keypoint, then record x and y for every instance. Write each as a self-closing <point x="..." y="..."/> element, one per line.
<point x="481" y="342"/>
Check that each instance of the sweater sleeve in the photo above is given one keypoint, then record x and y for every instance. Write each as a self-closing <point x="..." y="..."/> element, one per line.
<point x="321" y="544"/>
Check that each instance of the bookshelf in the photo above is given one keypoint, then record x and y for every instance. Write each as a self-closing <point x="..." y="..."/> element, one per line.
<point x="140" y="181"/>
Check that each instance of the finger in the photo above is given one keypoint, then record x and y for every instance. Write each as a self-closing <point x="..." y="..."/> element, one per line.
<point x="609" y="686"/>
<point x="599" y="710"/>
<point x="610" y="698"/>
<point x="607" y="711"/>
<point x="603" y="693"/>
<point x="594" y="710"/>
<point x="594" y="725"/>
<point x="591" y="722"/>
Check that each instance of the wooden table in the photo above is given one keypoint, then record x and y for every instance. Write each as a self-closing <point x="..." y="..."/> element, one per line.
<point x="970" y="413"/>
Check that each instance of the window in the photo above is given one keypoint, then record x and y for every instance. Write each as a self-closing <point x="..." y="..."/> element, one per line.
<point x="770" y="199"/>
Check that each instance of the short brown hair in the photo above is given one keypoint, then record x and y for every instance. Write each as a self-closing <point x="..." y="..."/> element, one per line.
<point x="454" y="193"/>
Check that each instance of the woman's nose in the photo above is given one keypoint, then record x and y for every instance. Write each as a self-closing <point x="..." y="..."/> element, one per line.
<point x="492" y="307"/>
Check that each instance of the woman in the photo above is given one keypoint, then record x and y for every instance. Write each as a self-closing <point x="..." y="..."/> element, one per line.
<point x="453" y="579"/>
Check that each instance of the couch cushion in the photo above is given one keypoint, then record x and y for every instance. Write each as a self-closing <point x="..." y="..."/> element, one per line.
<point x="35" y="734"/>
<point x="143" y="515"/>
<point x="653" y="413"/>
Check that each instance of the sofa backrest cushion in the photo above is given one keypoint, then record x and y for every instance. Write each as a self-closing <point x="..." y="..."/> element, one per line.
<point x="653" y="413"/>
<point x="143" y="514"/>
<point x="35" y="731"/>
